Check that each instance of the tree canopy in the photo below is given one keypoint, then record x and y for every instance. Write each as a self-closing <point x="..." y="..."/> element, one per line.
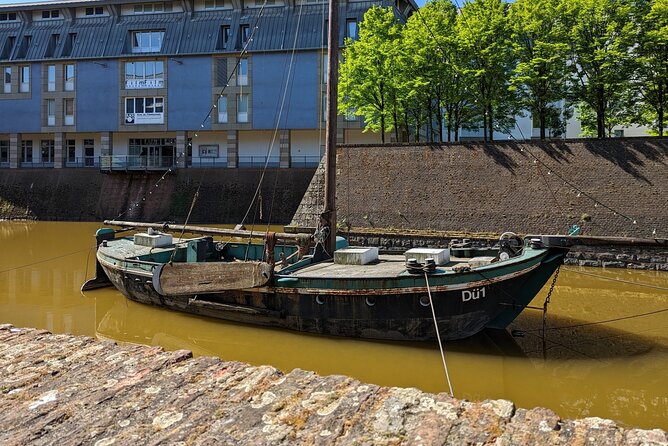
<point x="479" y="67"/>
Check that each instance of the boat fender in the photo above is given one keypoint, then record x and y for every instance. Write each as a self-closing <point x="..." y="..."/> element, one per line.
<point x="156" y="279"/>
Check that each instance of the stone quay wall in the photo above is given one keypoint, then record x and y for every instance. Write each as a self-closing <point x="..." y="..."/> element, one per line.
<point x="64" y="389"/>
<point x="526" y="187"/>
<point x="89" y="195"/>
<point x="606" y="256"/>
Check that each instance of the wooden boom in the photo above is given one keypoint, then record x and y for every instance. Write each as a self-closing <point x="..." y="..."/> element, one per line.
<point x="300" y="239"/>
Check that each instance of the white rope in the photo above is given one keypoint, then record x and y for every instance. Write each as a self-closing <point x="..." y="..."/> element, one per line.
<point x="438" y="336"/>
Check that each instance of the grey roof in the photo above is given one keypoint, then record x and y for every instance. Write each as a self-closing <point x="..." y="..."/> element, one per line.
<point x="185" y="32"/>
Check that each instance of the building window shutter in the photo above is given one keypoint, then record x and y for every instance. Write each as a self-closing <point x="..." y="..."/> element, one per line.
<point x="221" y="72"/>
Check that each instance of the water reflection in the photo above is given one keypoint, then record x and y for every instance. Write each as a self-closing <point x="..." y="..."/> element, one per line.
<point x="613" y="369"/>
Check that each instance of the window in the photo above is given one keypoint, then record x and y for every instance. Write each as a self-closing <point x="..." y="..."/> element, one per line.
<point x="98" y="10"/>
<point x="9" y="46"/>
<point x="7" y="16"/>
<point x="69" y="44"/>
<point x="24" y="87"/>
<point x="23" y="48"/>
<point x="7" y="79"/>
<point x="147" y="41"/>
<point x="68" y="74"/>
<point x="214" y="4"/>
<point x="68" y="111"/>
<point x="351" y="29"/>
<point x="26" y="151"/>
<point x="53" y="44"/>
<point x="50" y="112"/>
<point x="224" y="37"/>
<point x="222" y="109"/>
<point x="149" y="110"/>
<point x="242" y="72"/>
<point x="70" y="147"/>
<point x="51" y="78"/>
<point x="325" y="63"/>
<point x="144" y="74"/>
<point x="4" y="151"/>
<point x="149" y="8"/>
<point x="262" y="2"/>
<point x="244" y="34"/>
<point x="47" y="147"/>
<point x="89" y="152"/>
<point x="242" y="108"/>
<point x="50" y="14"/>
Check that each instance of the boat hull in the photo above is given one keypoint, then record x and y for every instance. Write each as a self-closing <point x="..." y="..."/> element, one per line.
<point x="400" y="312"/>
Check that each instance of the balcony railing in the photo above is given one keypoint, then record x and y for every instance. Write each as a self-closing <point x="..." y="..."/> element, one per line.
<point x="35" y="164"/>
<point x="258" y="161"/>
<point x="206" y="162"/>
<point x="136" y="162"/>
<point x="85" y="161"/>
<point x="304" y="161"/>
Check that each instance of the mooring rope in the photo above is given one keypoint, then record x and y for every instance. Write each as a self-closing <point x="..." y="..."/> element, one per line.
<point x="630" y="282"/>
<point x="43" y="261"/>
<point x="438" y="336"/>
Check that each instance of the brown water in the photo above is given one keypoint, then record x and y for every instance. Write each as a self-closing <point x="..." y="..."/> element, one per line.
<point x="612" y="370"/>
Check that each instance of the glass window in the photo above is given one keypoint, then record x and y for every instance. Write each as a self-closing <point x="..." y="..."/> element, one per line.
<point x="147" y="41"/>
<point x="351" y="28"/>
<point x="7" y="16"/>
<point x="51" y="14"/>
<point x="242" y="108"/>
<point x="47" y="146"/>
<point x="51" y="77"/>
<point x="144" y="74"/>
<point x="98" y="10"/>
<point x="25" y="79"/>
<point x="69" y="77"/>
<point x="50" y="112"/>
<point x="70" y="146"/>
<point x="222" y="109"/>
<point x="242" y="72"/>
<point x="244" y="34"/>
<point x="26" y="151"/>
<point x="68" y="106"/>
<point x="4" y="151"/>
<point x="214" y="4"/>
<point x="7" y="78"/>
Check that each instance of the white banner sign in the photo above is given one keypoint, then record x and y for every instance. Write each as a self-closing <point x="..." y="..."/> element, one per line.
<point x="144" y="118"/>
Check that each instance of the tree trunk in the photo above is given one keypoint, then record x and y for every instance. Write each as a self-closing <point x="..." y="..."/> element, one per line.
<point x="449" y="109"/>
<point x="490" y="121"/>
<point x="600" y="113"/>
<point x="382" y="128"/>
<point x="396" y="120"/>
<point x="541" y="118"/>
<point x="660" y="117"/>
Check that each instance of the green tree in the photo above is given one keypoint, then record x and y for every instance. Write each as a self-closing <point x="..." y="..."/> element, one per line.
<point x="484" y="34"/>
<point x="540" y="48"/>
<point x="599" y="36"/>
<point x="651" y="58"/>
<point x="367" y="74"/>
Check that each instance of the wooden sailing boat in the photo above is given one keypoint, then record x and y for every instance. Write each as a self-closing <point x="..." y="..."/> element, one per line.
<point x="316" y="283"/>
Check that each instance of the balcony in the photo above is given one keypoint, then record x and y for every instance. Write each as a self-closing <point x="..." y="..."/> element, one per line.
<point x="136" y="162"/>
<point x="304" y="161"/>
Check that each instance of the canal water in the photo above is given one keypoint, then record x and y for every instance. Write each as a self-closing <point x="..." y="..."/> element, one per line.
<point x="605" y="351"/>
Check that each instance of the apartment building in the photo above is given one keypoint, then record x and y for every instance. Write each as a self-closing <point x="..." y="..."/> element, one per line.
<point x="149" y="85"/>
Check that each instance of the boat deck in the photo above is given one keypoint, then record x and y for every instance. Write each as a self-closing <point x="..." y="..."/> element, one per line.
<point x="388" y="265"/>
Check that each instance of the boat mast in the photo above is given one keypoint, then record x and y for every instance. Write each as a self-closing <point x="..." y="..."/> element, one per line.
<point x="329" y="213"/>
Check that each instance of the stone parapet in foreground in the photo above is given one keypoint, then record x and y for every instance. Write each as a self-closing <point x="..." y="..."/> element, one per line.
<point x="77" y="390"/>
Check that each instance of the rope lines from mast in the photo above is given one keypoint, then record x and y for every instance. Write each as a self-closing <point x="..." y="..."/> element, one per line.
<point x="438" y="335"/>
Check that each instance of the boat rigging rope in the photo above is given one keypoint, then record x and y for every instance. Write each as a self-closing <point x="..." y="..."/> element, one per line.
<point x="45" y="260"/>
<point x="183" y="230"/>
<point x="438" y="335"/>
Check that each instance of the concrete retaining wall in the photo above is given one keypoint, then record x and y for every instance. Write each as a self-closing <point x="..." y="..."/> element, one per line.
<point x="88" y="195"/>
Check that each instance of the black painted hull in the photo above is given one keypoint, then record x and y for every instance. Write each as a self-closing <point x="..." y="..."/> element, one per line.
<point x="372" y="314"/>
